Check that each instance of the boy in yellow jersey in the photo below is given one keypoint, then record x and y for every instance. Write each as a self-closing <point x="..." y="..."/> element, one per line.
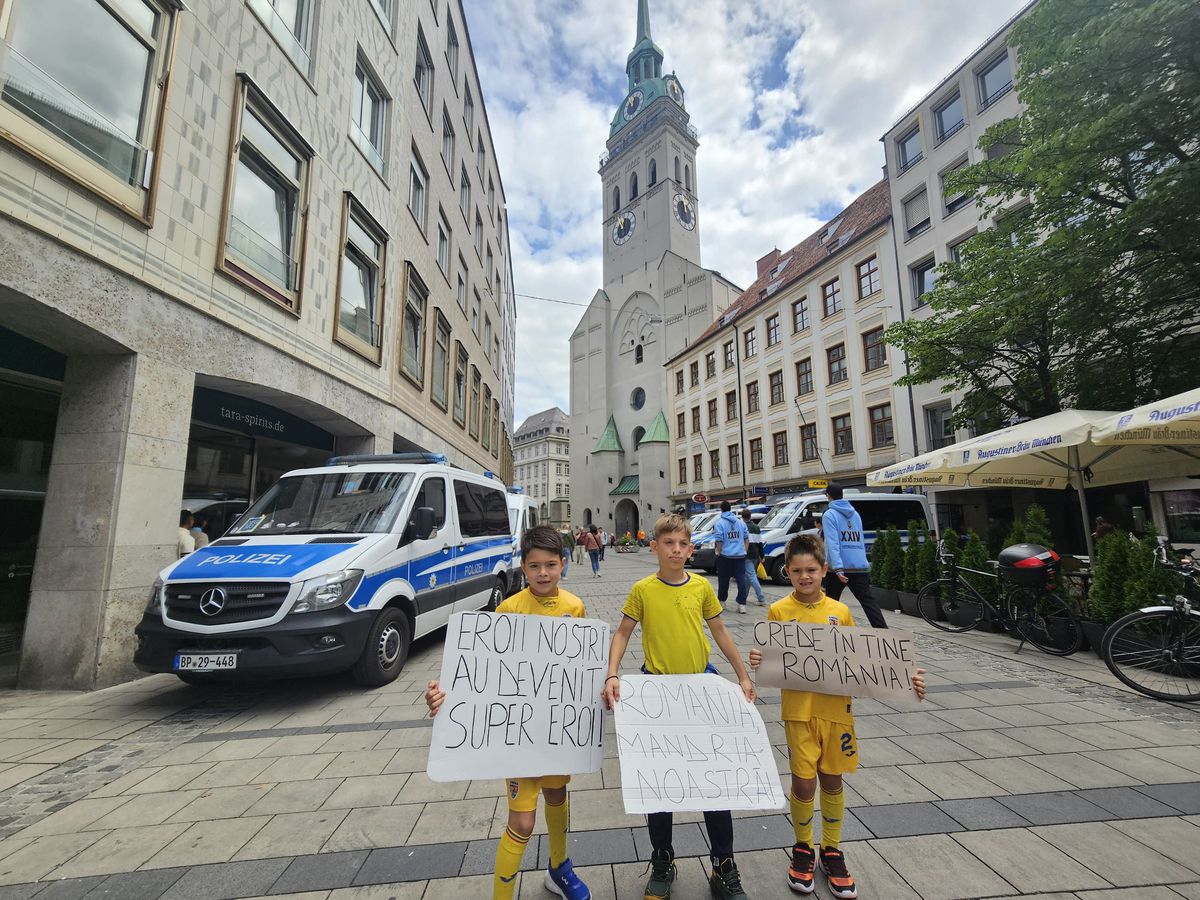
<point x="542" y="565"/>
<point x="819" y="727"/>
<point x="672" y="607"/>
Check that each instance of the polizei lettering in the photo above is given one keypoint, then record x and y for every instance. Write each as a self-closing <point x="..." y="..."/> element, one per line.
<point x="258" y="559"/>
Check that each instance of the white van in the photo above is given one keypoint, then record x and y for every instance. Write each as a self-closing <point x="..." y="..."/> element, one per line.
<point x="333" y="568"/>
<point x="522" y="515"/>
<point x="802" y="513"/>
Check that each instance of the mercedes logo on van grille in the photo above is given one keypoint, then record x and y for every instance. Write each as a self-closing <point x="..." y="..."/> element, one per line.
<point x="212" y="601"/>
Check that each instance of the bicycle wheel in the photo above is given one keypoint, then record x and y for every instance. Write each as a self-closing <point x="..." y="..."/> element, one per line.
<point x="949" y="607"/>
<point x="1156" y="652"/>
<point x="1045" y="620"/>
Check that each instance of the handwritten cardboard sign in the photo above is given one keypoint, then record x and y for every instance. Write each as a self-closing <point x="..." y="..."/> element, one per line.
<point x="836" y="659"/>
<point x="690" y="743"/>
<point x="522" y="697"/>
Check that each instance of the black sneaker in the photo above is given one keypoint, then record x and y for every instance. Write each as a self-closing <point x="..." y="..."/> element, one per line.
<point x="804" y="864"/>
<point x="725" y="883"/>
<point x="662" y="875"/>
<point x="833" y="864"/>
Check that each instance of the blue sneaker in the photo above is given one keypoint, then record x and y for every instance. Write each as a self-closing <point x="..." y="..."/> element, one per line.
<point x="564" y="882"/>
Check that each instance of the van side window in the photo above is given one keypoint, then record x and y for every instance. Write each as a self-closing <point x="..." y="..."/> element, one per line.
<point x="470" y="514"/>
<point x="433" y="495"/>
<point x="495" y="510"/>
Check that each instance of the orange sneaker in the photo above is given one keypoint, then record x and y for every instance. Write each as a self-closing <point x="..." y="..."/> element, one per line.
<point x="804" y="863"/>
<point x="833" y="864"/>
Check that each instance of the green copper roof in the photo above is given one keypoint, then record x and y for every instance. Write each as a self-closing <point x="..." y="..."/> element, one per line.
<point x="610" y="441"/>
<point x="658" y="432"/>
<point x="646" y="80"/>
<point x="630" y="484"/>
<point x="644" y="40"/>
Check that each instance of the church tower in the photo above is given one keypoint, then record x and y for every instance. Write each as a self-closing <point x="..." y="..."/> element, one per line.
<point x="655" y="299"/>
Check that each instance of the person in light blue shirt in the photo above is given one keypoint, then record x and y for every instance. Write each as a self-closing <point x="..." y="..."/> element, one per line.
<point x="731" y="542"/>
<point x="846" y="553"/>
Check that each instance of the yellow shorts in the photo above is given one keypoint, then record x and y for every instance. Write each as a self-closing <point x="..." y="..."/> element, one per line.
<point x="523" y="792"/>
<point x="819" y="745"/>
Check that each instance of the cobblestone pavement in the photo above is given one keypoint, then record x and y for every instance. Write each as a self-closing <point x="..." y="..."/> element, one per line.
<point x="1021" y="775"/>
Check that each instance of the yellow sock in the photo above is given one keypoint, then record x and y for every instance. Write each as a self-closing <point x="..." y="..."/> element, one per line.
<point x="557" y="823"/>
<point x="833" y="807"/>
<point x="802" y="819"/>
<point x="508" y="864"/>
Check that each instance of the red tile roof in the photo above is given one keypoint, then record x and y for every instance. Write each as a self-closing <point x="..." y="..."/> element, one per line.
<point x="866" y="213"/>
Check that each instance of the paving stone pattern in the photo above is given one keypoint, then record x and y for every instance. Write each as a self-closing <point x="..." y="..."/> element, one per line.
<point x="1022" y="774"/>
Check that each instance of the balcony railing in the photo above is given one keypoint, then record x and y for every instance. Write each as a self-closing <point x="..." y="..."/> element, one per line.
<point x="264" y="257"/>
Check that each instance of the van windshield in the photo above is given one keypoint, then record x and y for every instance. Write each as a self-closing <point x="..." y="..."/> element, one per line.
<point x="334" y="503"/>
<point x="778" y="516"/>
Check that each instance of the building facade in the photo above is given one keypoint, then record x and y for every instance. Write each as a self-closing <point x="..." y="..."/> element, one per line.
<point x="238" y="236"/>
<point x="656" y="299"/>
<point x="793" y="382"/>
<point x="542" y="463"/>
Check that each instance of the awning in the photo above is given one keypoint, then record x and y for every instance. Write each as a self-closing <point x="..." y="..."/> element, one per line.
<point x="630" y="484"/>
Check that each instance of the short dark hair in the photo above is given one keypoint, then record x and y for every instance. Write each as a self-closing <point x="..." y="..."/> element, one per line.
<point x="834" y="491"/>
<point x="542" y="537"/>
<point x="804" y="544"/>
<point x="724" y="506"/>
<point x="184" y="515"/>
<point x="746" y="514"/>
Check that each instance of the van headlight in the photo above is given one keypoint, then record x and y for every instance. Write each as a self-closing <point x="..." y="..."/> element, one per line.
<point x="155" y="604"/>
<point x="327" y="591"/>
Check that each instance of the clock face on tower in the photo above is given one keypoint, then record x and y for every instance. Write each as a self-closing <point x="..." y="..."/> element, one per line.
<point x="674" y="91"/>
<point x="685" y="212"/>
<point x="623" y="228"/>
<point x="633" y="105"/>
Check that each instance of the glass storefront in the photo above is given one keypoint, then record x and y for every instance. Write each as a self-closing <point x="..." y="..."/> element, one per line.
<point x="1182" y="511"/>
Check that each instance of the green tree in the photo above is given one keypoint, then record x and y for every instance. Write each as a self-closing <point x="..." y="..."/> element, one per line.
<point x="917" y="534"/>
<point x="1110" y="577"/>
<point x="1081" y="293"/>
<point x="975" y="556"/>
<point x="1037" y="526"/>
<point x="1016" y="534"/>
<point x="892" y="575"/>
<point x="1147" y="579"/>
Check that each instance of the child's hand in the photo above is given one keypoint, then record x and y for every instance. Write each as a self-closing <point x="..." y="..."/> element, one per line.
<point x="755" y="657"/>
<point x="919" y="683"/>
<point x="434" y="698"/>
<point x="748" y="690"/>
<point x="612" y="692"/>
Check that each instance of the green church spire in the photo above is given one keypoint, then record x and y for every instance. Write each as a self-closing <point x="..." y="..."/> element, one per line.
<point x="643" y="26"/>
<point x="646" y="58"/>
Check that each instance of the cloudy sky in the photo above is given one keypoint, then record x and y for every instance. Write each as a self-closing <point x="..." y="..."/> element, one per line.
<point x="790" y="98"/>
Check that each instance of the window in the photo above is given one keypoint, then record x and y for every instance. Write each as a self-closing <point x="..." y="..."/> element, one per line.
<point x="464" y="193"/>
<point x="714" y="463"/>
<point x="289" y="22"/>
<point x="735" y="459"/>
<point x="679" y="382"/>
<point x="710" y="364"/>
<point x="868" y="277"/>
<point x="730" y="406"/>
<point x="756" y="457"/>
<point x="448" y="144"/>
<point x="752" y="397"/>
<point x="481" y="511"/>
<point x="418" y="179"/>
<point x="476" y="308"/>
<point x="948" y="117"/>
<point x="423" y="76"/>
<point x="694" y="374"/>
<point x="953" y="198"/>
<point x="938" y="429"/>
<point x="633" y="187"/>
<point x="440" y="366"/>
<point x="368" y="114"/>
<point x="843" y="438"/>
<point x="687" y="177"/>
<point x="808" y="442"/>
<point x="772" y="330"/>
<point x="478" y="235"/>
<point x="780" y="445"/>
<point x="462" y="284"/>
<point x="776" y="382"/>
<point x="412" y="339"/>
<point x="916" y="213"/>
<point x="695" y="419"/>
<point x="491" y="195"/>
<point x="680" y="425"/>
<point x="831" y="297"/>
<point x="616" y="198"/>
<point x="360" y="310"/>
<point x="432" y="494"/>
<point x="487" y="335"/>
<point x="697" y="467"/>
<point x="473" y="423"/>
<point x="264" y="230"/>
<point x="994" y="80"/>
<point x="804" y="377"/>
<point x="881" y="425"/>
<point x="452" y="49"/>
<point x="749" y="343"/>
<point x="837" y="364"/>
<point x="653" y="173"/>
<point x="637" y="398"/>
<point x="683" y="471"/>
<point x="93" y="116"/>
<point x="678" y="175"/>
<point x="908" y="148"/>
<point x="924" y="277"/>
<point x="443" y="244"/>
<point x="489" y="265"/>
<point x="480" y="154"/>
<point x="468" y="110"/>
<point x="730" y="355"/>
<point x="485" y="435"/>
<point x="639" y="355"/>
<point x="800" y="315"/>
<point x="712" y="413"/>
<point x="959" y="248"/>
<point x="384" y="9"/>
<point x="874" y="349"/>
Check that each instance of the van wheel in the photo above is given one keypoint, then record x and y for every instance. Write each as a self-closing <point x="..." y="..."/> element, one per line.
<point x="778" y="571"/>
<point x="496" y="597"/>
<point x="386" y="649"/>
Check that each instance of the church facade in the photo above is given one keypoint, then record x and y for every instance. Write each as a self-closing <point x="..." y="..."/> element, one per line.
<point x="656" y="299"/>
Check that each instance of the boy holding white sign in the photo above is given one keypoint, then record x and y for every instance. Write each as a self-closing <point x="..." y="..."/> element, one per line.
<point x="819" y="728"/>
<point x="542" y="565"/>
<point x="672" y="606"/>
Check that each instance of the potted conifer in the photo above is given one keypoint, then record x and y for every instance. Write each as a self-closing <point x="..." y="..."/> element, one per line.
<point x="918" y="534"/>
<point x="881" y="555"/>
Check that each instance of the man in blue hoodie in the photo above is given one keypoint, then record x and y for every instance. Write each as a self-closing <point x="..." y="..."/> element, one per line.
<point x="731" y="540"/>
<point x="846" y="553"/>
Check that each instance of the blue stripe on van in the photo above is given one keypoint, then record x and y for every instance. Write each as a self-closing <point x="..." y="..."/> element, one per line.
<point x="434" y="569"/>
<point x="255" y="561"/>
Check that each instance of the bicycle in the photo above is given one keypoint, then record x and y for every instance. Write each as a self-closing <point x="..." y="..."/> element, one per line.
<point x="1039" y="616"/>
<point x="1156" y="650"/>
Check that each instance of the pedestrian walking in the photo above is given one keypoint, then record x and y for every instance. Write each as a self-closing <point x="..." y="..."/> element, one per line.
<point x="754" y="555"/>
<point x="731" y="538"/>
<point x="602" y="537"/>
<point x="591" y="543"/>
<point x="842" y="528"/>
<point x="568" y="545"/>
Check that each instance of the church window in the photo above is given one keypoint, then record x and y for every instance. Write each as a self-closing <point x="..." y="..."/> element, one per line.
<point x="638" y="398"/>
<point x="638" y="354"/>
<point x="633" y="186"/>
<point x="616" y="198"/>
<point x="638" y="434"/>
<point x="677" y="177"/>
<point x="653" y="173"/>
<point x="687" y="177"/>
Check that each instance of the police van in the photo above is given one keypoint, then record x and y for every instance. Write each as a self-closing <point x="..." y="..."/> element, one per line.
<point x="334" y="568"/>
<point x="704" y="552"/>
<point x="801" y="513"/>
<point x="522" y="515"/>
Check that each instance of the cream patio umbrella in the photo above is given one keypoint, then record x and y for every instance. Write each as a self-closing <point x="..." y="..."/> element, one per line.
<point x="1174" y="422"/>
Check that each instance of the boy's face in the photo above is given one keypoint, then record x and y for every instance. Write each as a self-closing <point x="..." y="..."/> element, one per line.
<point x="673" y="549"/>
<point x="543" y="569"/>
<point x="806" y="575"/>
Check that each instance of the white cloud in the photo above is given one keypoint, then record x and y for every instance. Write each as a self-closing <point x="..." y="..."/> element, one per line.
<point x="790" y="98"/>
